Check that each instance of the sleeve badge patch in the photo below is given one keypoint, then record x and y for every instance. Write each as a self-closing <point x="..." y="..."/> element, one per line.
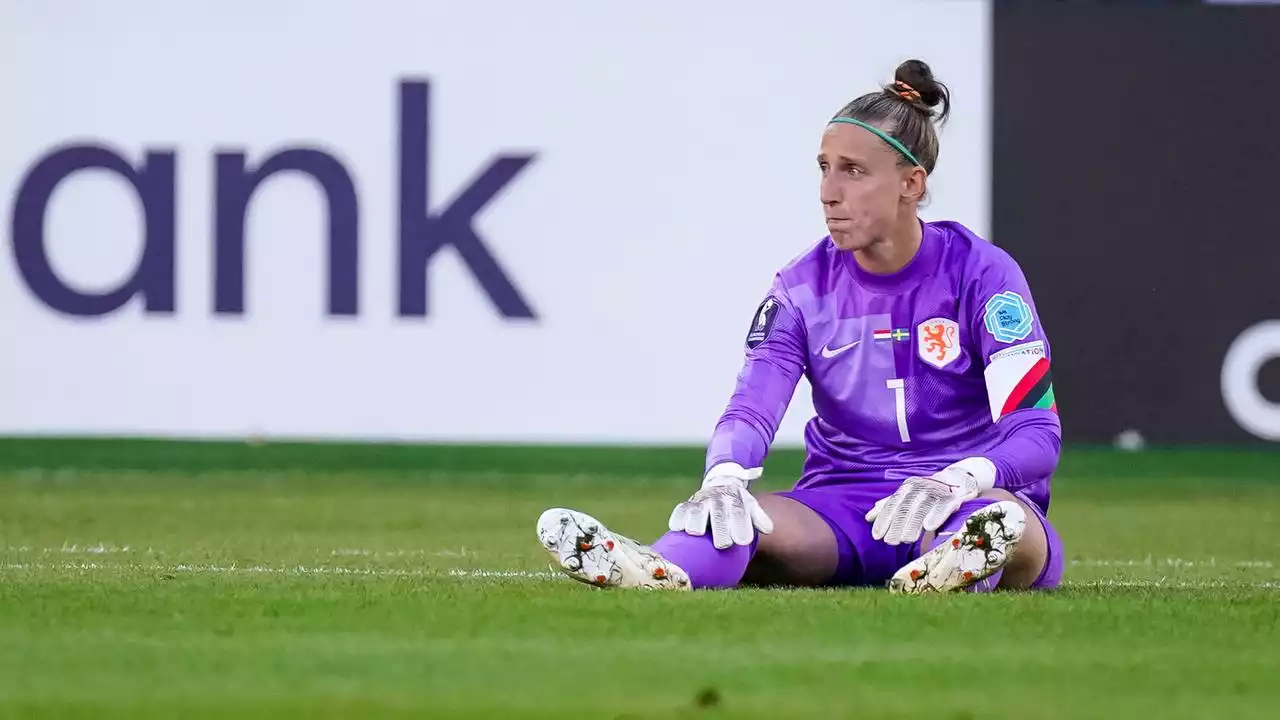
<point x="938" y="341"/>
<point x="1008" y="317"/>
<point x="762" y="323"/>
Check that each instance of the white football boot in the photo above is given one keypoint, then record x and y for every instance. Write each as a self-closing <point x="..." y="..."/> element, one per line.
<point x="586" y="551"/>
<point x="977" y="551"/>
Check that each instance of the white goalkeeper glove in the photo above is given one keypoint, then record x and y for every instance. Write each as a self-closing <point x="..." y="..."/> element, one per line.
<point x="725" y="503"/>
<point x="924" y="503"/>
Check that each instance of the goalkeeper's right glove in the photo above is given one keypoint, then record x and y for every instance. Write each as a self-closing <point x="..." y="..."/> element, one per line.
<point x="725" y="503"/>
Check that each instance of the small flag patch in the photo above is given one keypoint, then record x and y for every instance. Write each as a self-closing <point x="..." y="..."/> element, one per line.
<point x="886" y="335"/>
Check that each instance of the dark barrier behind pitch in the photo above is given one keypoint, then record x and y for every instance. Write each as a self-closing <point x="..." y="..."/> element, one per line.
<point x="1135" y="180"/>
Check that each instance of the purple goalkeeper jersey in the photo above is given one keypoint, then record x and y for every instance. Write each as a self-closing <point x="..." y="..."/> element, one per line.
<point x="943" y="360"/>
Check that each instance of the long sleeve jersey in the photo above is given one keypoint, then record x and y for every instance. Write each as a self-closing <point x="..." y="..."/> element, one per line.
<point x="912" y="371"/>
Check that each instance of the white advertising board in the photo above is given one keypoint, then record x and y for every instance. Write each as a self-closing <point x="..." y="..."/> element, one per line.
<point x="486" y="221"/>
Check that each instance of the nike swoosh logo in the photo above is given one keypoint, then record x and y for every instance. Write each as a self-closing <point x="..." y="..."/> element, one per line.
<point x="828" y="352"/>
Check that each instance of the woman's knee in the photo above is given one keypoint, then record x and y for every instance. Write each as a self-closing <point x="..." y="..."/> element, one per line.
<point x="1000" y="494"/>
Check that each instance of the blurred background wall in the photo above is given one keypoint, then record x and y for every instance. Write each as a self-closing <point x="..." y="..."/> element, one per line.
<point x="1134" y="179"/>
<point x="495" y="221"/>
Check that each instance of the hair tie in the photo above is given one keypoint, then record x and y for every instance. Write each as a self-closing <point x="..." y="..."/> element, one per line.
<point x="907" y="93"/>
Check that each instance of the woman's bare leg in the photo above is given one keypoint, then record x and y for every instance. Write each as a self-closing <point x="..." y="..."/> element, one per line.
<point x="801" y="550"/>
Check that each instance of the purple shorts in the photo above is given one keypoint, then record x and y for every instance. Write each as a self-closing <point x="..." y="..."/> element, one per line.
<point x="868" y="562"/>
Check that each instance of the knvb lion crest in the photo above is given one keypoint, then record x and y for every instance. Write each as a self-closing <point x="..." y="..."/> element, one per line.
<point x="938" y="341"/>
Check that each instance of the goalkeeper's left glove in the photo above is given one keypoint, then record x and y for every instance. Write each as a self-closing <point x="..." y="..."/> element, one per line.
<point x="924" y="503"/>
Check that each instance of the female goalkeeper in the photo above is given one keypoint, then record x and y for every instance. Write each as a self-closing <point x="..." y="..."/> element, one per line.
<point x="929" y="461"/>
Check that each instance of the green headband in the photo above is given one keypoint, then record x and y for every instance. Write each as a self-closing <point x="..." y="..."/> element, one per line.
<point x="883" y="136"/>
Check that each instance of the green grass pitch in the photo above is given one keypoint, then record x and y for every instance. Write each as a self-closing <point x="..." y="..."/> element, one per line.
<point x="148" y="579"/>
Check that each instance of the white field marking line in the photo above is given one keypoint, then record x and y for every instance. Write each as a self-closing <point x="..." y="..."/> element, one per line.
<point x="228" y="569"/>
<point x="293" y="570"/>
<point x="99" y="549"/>
<point x="523" y="574"/>
<point x="303" y="570"/>
<point x="1163" y="583"/>
<point x="358" y="552"/>
<point x="112" y="549"/>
